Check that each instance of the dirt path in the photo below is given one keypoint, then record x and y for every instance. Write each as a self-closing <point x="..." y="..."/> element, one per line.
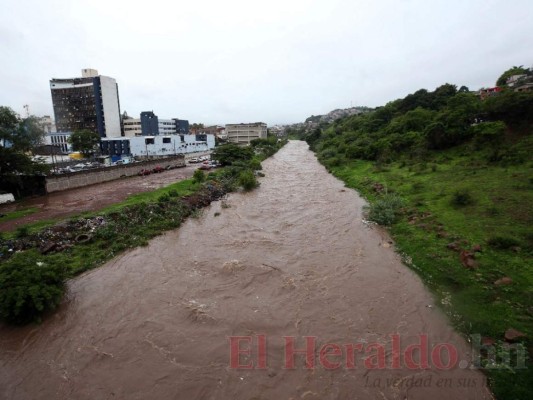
<point x="90" y="198"/>
<point x="289" y="260"/>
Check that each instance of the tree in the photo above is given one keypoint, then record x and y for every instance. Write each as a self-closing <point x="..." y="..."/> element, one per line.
<point x="8" y="124"/>
<point x="17" y="138"/>
<point x="197" y="126"/>
<point x="29" y="134"/>
<point x="502" y="80"/>
<point x="84" y="141"/>
<point x="230" y="154"/>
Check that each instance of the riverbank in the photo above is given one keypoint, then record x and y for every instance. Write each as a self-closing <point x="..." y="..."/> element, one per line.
<point x="465" y="228"/>
<point x="69" y="203"/>
<point x="37" y="258"/>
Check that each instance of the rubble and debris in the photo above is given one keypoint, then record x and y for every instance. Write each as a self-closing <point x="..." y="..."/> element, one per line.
<point x="513" y="335"/>
<point x="467" y="259"/>
<point x="55" y="238"/>
<point x="503" y="281"/>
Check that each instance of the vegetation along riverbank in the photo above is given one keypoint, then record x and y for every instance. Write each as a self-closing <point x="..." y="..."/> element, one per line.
<point x="37" y="259"/>
<point x="450" y="174"/>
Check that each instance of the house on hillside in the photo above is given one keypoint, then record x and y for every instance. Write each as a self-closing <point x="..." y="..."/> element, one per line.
<point x="484" y="93"/>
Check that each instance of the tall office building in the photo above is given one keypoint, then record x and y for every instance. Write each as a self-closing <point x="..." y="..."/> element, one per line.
<point x="90" y="102"/>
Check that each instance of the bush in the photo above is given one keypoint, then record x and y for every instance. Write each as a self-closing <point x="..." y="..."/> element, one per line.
<point x="198" y="176"/>
<point x="22" y="232"/>
<point x="29" y="287"/>
<point x="502" y="242"/>
<point x="385" y="211"/>
<point x="248" y="180"/>
<point x="164" y="198"/>
<point x="255" y="164"/>
<point x="461" y="198"/>
<point x="489" y="132"/>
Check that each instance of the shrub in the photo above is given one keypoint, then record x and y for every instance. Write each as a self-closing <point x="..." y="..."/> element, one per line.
<point x="255" y="164"/>
<point x="248" y="180"/>
<point x="198" y="176"/>
<point x="502" y="242"/>
<point x="164" y="198"/>
<point x="489" y="133"/>
<point x="28" y="287"/>
<point x="22" y="232"/>
<point x="462" y="197"/>
<point x="386" y="210"/>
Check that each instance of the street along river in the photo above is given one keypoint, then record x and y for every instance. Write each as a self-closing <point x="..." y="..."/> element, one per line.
<point x="287" y="281"/>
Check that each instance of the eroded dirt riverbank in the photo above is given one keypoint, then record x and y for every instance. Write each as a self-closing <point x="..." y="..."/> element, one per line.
<point x="291" y="259"/>
<point x="90" y="198"/>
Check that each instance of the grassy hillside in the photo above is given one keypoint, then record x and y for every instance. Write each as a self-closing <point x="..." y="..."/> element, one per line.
<point x="452" y="177"/>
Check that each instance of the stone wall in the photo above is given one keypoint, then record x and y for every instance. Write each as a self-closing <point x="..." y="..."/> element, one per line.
<point x="83" y="178"/>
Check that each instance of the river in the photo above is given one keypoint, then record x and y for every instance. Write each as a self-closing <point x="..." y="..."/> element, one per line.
<point x="291" y="262"/>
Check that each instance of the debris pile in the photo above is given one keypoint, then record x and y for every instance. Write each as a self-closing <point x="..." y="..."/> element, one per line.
<point x="53" y="239"/>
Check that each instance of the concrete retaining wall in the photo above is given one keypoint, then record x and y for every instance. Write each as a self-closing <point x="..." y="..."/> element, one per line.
<point x="83" y="178"/>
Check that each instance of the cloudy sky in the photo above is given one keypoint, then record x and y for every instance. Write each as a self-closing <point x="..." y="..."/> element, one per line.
<point x="277" y="61"/>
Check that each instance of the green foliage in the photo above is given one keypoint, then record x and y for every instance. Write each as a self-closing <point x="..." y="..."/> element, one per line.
<point x="500" y="220"/>
<point x="17" y="138"/>
<point x="425" y="122"/>
<point x="229" y="154"/>
<point x="489" y="132"/>
<point x="198" y="176"/>
<point x="22" y="232"/>
<point x="502" y="242"/>
<point x="84" y="141"/>
<point x="514" y="108"/>
<point x="248" y="180"/>
<point x="29" y="286"/>
<point x="461" y="198"/>
<point x="502" y="80"/>
<point x="385" y="210"/>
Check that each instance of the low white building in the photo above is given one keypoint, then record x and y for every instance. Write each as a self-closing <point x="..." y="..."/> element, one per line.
<point x="157" y="145"/>
<point x="60" y="140"/>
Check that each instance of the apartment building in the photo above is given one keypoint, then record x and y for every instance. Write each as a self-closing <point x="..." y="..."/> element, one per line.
<point x="243" y="134"/>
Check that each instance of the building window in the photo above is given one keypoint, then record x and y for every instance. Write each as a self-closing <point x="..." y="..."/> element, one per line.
<point x="149" y="141"/>
<point x="166" y="140"/>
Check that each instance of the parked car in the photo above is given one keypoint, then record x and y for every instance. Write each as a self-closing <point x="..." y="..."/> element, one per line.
<point x="144" y="172"/>
<point x="194" y="160"/>
<point x="157" y="169"/>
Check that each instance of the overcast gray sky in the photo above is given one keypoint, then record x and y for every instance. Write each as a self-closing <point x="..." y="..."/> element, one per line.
<point x="277" y="61"/>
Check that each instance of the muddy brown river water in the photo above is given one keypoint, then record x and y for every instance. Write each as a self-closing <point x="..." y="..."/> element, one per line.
<point x="290" y="263"/>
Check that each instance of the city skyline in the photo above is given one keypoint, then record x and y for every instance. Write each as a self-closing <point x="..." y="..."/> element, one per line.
<point x="279" y="62"/>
